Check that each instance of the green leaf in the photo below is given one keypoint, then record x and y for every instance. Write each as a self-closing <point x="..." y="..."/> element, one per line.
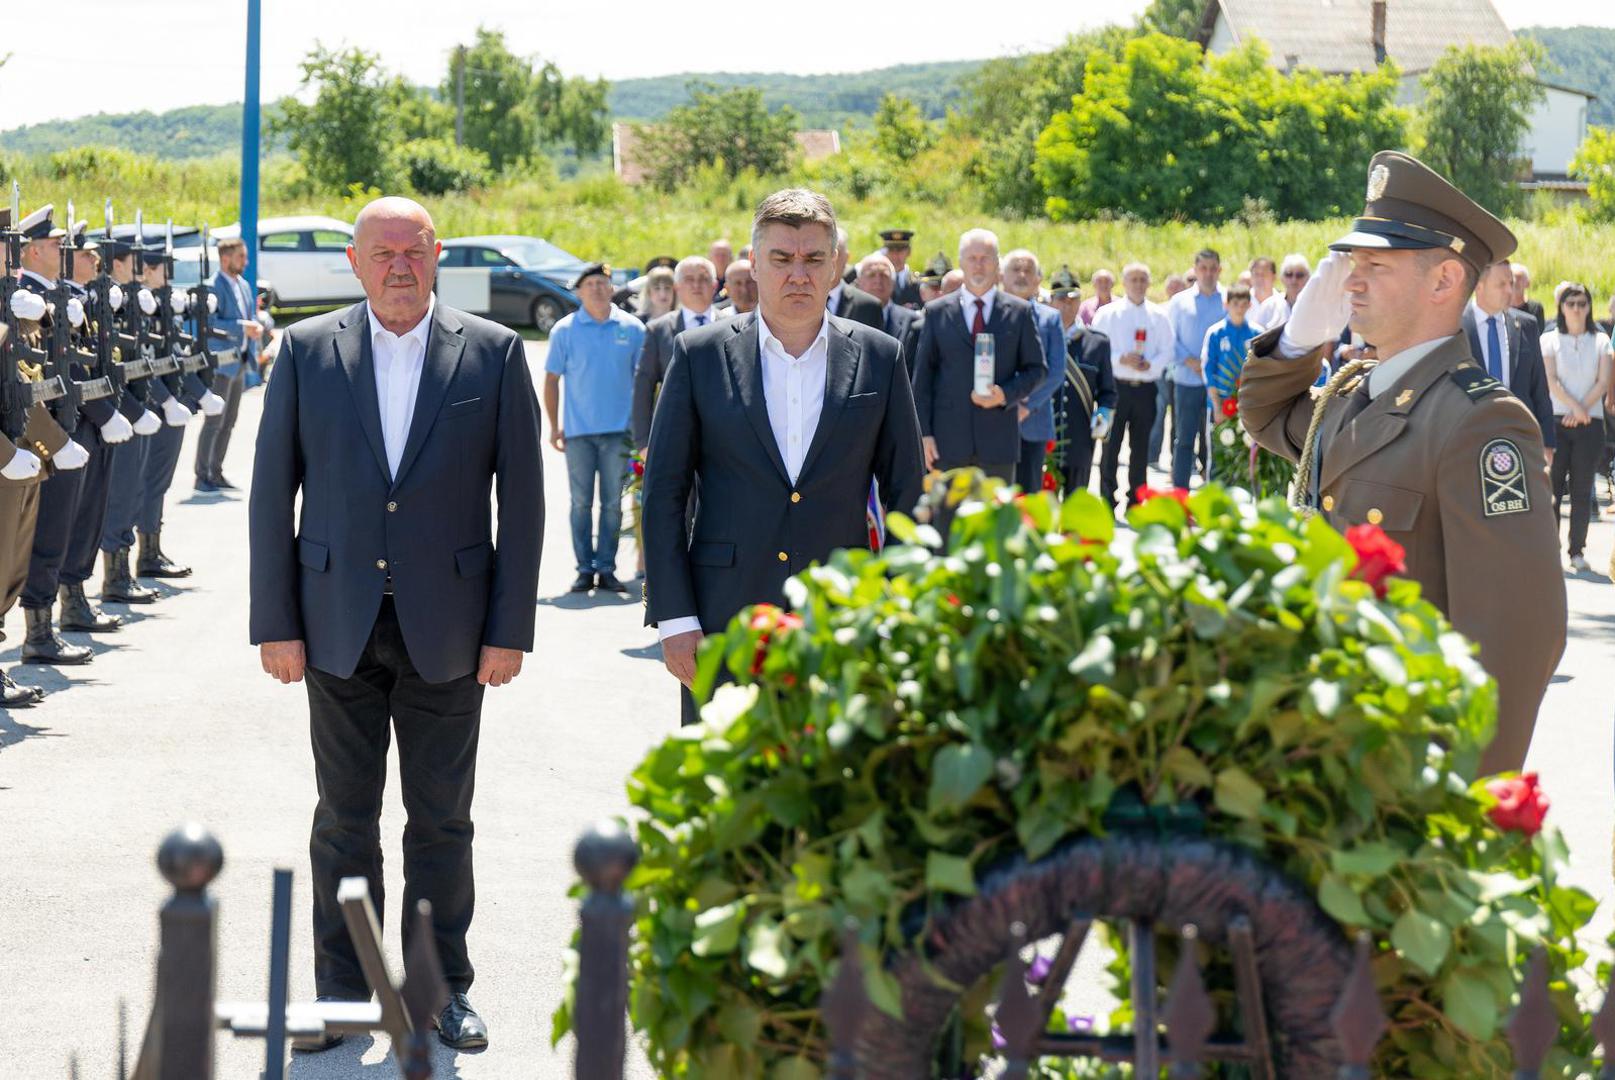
<point x="717" y="930"/>
<point x="765" y="949"/>
<point x="1237" y="794"/>
<point x="881" y="986"/>
<point x="1370" y="860"/>
<point x="949" y="873"/>
<point x="1086" y="515"/>
<point x="740" y="1023"/>
<point x="795" y="1068"/>
<point x="957" y="772"/>
<point x="1343" y="905"/>
<point x="1187" y="767"/>
<point x="1469" y="1003"/>
<point x="1422" y="939"/>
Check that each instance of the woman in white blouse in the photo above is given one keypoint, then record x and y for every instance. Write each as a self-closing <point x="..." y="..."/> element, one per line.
<point x="1580" y="369"/>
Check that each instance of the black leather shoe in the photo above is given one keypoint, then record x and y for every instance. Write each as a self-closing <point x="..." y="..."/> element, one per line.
<point x="222" y="484"/>
<point x="584" y="583"/>
<point x="324" y="1042"/>
<point x="152" y="561"/>
<point x="459" y="1026"/>
<point x="79" y="614"/>
<point x="203" y="483"/>
<point x="44" y="645"/>
<point x="610" y="582"/>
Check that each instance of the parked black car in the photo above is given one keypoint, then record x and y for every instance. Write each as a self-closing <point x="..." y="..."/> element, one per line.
<point x="529" y="279"/>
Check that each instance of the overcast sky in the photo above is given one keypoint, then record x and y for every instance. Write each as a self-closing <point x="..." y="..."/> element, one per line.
<point x="618" y="39"/>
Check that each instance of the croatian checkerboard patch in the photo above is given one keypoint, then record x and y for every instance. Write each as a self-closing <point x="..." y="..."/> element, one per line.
<point x="1502" y="479"/>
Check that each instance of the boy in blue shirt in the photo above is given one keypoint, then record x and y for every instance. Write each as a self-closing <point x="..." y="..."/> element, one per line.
<point x="1223" y="353"/>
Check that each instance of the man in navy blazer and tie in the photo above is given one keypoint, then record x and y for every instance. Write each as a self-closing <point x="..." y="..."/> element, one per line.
<point x="783" y="416"/>
<point x="960" y="426"/>
<point x="1508" y="344"/>
<point x="395" y="419"/>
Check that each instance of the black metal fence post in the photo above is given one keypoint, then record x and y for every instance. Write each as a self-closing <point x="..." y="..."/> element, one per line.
<point x="189" y="858"/>
<point x="604" y="858"/>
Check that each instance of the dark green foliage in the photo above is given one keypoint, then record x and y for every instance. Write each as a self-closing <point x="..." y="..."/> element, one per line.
<point x="731" y="129"/>
<point x="1583" y="58"/>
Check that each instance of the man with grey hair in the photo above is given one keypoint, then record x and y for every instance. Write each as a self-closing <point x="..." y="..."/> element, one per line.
<point x="964" y="427"/>
<point x="878" y="278"/>
<point x="848" y="300"/>
<point x="694" y="283"/>
<point x="782" y="418"/>
<point x="396" y="420"/>
<point x="1521" y="300"/>
<point x="1275" y="310"/>
<point x="1023" y="277"/>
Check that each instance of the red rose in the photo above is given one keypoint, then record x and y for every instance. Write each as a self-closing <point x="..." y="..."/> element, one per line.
<point x="1230" y="407"/>
<point x="768" y="619"/>
<point x="1378" y="556"/>
<point x="1521" y="804"/>
<point x="1048" y="447"/>
<point x="1146" y="493"/>
<point x="1049" y="483"/>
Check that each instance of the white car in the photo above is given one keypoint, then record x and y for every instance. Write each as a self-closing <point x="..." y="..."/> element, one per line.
<point x="307" y="259"/>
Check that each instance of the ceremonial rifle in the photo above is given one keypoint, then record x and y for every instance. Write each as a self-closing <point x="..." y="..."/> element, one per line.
<point x="110" y="343"/>
<point x="21" y="364"/>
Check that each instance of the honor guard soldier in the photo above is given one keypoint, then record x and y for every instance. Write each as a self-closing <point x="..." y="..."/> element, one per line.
<point x="1085" y="404"/>
<point x="930" y="280"/>
<point x="895" y="245"/>
<point x="1421" y="441"/>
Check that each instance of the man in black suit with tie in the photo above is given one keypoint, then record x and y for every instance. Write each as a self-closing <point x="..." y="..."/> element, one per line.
<point x="783" y="416"/>
<point x="962" y="427"/>
<point x="848" y="300"/>
<point x="395" y="419"/>
<point x="1508" y="344"/>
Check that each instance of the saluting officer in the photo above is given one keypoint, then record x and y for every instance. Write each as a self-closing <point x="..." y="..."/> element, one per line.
<point x="1423" y="443"/>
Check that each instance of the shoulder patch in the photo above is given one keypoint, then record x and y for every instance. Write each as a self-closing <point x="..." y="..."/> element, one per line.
<point x="1474" y="382"/>
<point x="1502" y="478"/>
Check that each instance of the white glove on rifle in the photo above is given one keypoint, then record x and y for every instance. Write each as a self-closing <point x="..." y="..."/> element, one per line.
<point x="71" y="456"/>
<point x="1322" y="310"/>
<point x="27" y="305"/>
<point x="180" y="302"/>
<point x="148" y="424"/>
<point x="115" y="298"/>
<point x="212" y="303"/>
<point x="212" y="404"/>
<point x="148" y="302"/>
<point x="22" y="466"/>
<point x="117" y="429"/>
<point x="75" y="312"/>
<point x="175" y="414"/>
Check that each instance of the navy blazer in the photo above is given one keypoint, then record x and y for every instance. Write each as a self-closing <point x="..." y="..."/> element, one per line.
<point x="1527" y="377"/>
<point x="475" y="429"/>
<point x="904" y="324"/>
<point x="753" y="528"/>
<point x="945" y="375"/>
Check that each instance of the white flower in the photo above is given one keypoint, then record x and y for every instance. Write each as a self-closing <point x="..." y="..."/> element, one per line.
<point x="1247" y="436"/>
<point x="1227" y="437"/>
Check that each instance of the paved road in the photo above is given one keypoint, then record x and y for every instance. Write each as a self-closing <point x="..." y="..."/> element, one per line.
<point x="175" y="721"/>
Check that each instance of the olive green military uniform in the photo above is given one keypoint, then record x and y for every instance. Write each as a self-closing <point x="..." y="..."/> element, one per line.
<point x="19" y="505"/>
<point x="1434" y="451"/>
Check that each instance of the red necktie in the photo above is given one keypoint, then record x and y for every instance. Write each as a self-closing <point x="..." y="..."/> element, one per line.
<point x="980" y="325"/>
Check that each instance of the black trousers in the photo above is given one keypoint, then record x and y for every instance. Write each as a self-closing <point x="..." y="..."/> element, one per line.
<point x="437" y="726"/>
<point x="1029" y="469"/>
<point x="1575" y="464"/>
<point x="84" y="543"/>
<point x="72" y="509"/>
<point x="1135" y="413"/>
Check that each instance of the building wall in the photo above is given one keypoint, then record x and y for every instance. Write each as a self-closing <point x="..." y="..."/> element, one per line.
<point x="1558" y="126"/>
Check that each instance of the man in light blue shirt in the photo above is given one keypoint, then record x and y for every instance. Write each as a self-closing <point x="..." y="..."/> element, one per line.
<point x="595" y="350"/>
<point x="1192" y="313"/>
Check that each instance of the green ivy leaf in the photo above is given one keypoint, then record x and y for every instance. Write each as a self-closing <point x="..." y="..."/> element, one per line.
<point x="740" y="1023"/>
<point x="1086" y="515"/>
<point x="1469" y="1003"/>
<point x="1343" y="905"/>
<point x="957" y="772"/>
<point x="1369" y="860"/>
<point x="1237" y="794"/>
<point x="949" y="873"/>
<point x="717" y="930"/>
<point x="1422" y="939"/>
<point x="881" y="986"/>
<point x="795" y="1068"/>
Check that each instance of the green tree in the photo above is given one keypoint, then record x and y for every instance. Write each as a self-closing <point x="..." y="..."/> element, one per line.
<point x="1320" y="133"/>
<point x="902" y="132"/>
<point x="343" y="137"/>
<point x="513" y="109"/>
<point x="1595" y="163"/>
<point x="1476" y="110"/>
<point x="1180" y="18"/>
<point x="731" y="129"/>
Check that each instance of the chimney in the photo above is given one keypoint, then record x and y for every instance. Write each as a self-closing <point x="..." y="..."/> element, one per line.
<point x="1379" y="31"/>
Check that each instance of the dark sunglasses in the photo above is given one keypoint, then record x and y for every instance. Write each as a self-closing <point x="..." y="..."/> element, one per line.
<point x="1575" y="304"/>
<point x="1295" y="273"/>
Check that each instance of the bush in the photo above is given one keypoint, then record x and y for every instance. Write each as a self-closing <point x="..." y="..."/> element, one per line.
<point x="437" y="166"/>
<point x="1595" y="163"/>
<point x="929" y="714"/>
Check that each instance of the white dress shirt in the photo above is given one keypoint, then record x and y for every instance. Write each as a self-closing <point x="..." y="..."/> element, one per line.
<point x="1504" y="361"/>
<point x="968" y="302"/>
<point x="793" y="391"/>
<point x="399" y="360"/>
<point x="689" y="318"/>
<point x="1384" y="375"/>
<point x="1120" y="320"/>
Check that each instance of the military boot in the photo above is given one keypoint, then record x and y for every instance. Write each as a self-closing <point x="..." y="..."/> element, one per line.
<point x="79" y="614"/>
<point x="152" y="561"/>
<point x="45" y="646"/>
<point x="118" y="582"/>
<point x="13" y="696"/>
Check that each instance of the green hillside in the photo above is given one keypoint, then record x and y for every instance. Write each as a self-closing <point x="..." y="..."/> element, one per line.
<point x="195" y="131"/>
<point x="1585" y="56"/>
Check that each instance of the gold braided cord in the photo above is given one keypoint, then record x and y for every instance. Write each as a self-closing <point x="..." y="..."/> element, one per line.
<point x="1303" y="468"/>
<point x="31" y="372"/>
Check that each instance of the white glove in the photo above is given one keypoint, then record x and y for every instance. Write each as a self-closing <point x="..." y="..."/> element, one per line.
<point x="71" y="456"/>
<point x="175" y="414"/>
<point x="1099" y="428"/>
<point x="148" y="302"/>
<point x="180" y="302"/>
<point x="22" y="466"/>
<point x="117" y="429"/>
<point x="75" y="312"/>
<point x="212" y="404"/>
<point x="1322" y="309"/>
<point x="27" y="305"/>
<point x="212" y="303"/>
<point x="115" y="298"/>
<point x="148" y="424"/>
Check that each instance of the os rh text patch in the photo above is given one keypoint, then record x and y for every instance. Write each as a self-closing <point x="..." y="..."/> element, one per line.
<point x="1502" y="479"/>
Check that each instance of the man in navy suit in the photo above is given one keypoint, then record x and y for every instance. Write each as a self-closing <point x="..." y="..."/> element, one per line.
<point x="1507" y="342"/>
<point x="960" y="426"/>
<point x="396" y="418"/>
<point x="783" y="416"/>
<point x="237" y="318"/>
